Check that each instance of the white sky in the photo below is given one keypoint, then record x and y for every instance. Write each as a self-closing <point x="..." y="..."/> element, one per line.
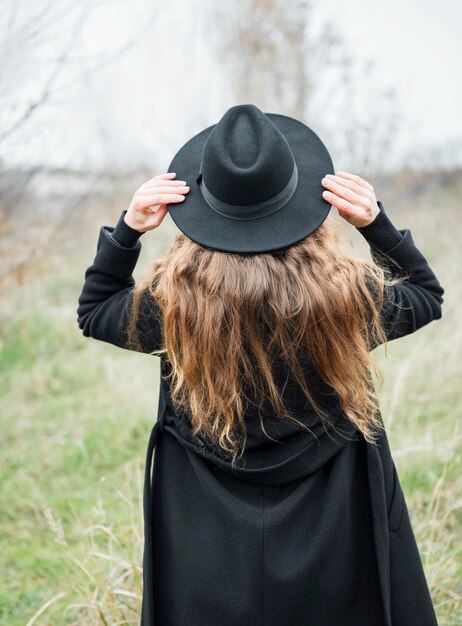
<point x="417" y="47"/>
<point x="141" y="108"/>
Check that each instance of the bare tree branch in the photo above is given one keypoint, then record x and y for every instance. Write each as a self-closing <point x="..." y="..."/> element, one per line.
<point x="275" y="59"/>
<point x="49" y="82"/>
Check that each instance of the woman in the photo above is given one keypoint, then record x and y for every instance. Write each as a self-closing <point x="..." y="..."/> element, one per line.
<point x="274" y="498"/>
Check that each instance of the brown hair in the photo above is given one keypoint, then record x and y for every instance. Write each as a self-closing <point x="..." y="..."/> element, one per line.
<point x="224" y="313"/>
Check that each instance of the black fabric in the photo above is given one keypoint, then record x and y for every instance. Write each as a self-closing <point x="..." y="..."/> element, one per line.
<point x="124" y="234"/>
<point x="308" y="531"/>
<point x="247" y="158"/>
<point x="257" y="210"/>
<point x="381" y="232"/>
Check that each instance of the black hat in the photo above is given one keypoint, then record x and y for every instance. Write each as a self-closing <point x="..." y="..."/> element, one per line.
<point x="255" y="182"/>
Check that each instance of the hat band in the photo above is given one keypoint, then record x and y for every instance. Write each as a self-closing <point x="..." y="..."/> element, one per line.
<point x="251" y="211"/>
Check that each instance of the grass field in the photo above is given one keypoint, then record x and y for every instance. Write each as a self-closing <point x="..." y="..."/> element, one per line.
<point x="76" y="416"/>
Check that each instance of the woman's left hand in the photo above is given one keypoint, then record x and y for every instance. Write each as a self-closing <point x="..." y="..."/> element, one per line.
<point x="352" y="196"/>
<point x="150" y="202"/>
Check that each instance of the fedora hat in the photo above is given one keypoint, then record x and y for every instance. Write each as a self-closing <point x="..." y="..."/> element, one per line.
<point x="255" y="182"/>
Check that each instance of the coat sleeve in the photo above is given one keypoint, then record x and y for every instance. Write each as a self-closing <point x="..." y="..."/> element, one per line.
<point x="418" y="300"/>
<point x="105" y="301"/>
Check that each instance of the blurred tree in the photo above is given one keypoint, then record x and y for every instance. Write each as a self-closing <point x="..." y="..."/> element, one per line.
<point x="279" y="58"/>
<point x="41" y="60"/>
<point x="262" y="46"/>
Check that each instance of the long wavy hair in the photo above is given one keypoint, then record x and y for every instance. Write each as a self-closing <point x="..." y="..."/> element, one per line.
<point x="225" y="316"/>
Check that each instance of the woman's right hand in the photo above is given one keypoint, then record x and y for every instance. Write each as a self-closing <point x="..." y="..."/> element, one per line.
<point x="150" y="202"/>
<point x="353" y="197"/>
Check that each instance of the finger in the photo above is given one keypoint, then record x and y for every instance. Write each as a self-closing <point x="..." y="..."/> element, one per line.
<point x="146" y="194"/>
<point x="164" y="183"/>
<point x="168" y="175"/>
<point x="165" y="189"/>
<point x="346" y="191"/>
<point x="346" y="182"/>
<point x="142" y="202"/>
<point x="357" y="179"/>
<point x="343" y="205"/>
<point x="163" y="198"/>
<point x="167" y="183"/>
<point x="350" y="184"/>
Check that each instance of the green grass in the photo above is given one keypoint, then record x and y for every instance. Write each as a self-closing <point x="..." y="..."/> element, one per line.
<point x="76" y="416"/>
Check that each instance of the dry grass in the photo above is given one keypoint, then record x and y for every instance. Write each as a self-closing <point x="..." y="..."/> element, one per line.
<point x="76" y="417"/>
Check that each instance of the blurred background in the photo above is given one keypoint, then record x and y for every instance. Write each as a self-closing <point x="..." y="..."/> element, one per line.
<point x="96" y="98"/>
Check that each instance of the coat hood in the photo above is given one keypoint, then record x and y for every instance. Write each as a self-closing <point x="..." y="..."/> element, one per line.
<point x="268" y="461"/>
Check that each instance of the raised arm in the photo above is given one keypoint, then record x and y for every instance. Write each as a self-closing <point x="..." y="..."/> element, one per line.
<point x="417" y="301"/>
<point x="106" y="297"/>
<point x="105" y="302"/>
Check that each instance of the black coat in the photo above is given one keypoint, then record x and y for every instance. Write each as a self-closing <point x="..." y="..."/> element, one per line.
<point x="312" y="532"/>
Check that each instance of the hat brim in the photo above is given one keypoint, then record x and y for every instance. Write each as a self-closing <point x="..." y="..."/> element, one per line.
<point x="304" y="213"/>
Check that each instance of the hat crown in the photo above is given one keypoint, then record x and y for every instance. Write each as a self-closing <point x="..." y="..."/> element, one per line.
<point x="246" y="159"/>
